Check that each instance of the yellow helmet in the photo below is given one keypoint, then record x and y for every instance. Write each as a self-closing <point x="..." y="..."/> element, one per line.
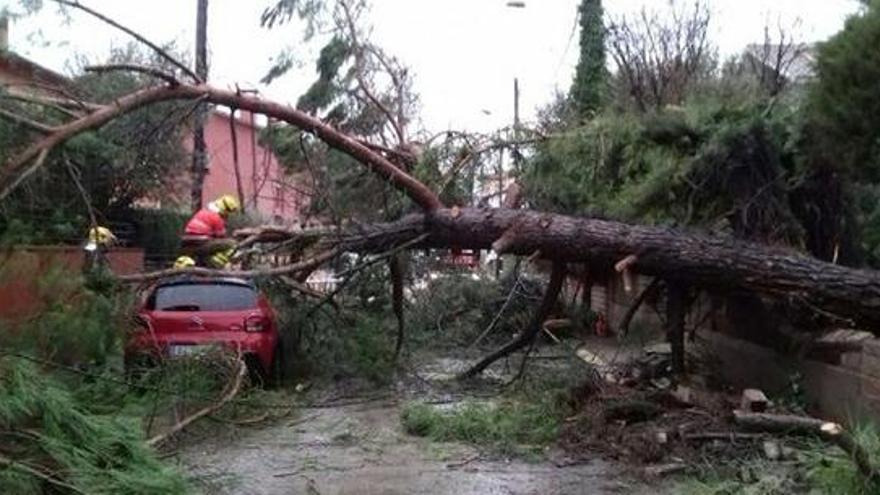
<point x="184" y="262"/>
<point x="221" y="259"/>
<point x="227" y="204"/>
<point x="99" y="236"/>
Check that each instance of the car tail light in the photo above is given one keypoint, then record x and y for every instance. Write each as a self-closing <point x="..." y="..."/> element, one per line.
<point x="255" y="323"/>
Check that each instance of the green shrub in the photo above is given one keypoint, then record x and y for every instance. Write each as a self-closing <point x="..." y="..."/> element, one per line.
<point x="831" y="471"/>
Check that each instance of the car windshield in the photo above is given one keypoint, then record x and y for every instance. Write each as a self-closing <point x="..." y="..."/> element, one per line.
<point x="204" y="297"/>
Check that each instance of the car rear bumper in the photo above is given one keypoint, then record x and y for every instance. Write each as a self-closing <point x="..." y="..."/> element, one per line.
<point x="261" y="345"/>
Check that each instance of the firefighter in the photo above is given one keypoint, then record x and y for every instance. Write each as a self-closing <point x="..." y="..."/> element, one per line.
<point x="205" y="233"/>
<point x="98" y="240"/>
<point x="184" y="262"/>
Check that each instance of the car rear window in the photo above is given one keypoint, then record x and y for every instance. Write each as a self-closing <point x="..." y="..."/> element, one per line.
<point x="204" y="297"/>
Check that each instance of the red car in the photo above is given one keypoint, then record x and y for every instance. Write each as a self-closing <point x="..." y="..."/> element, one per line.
<point x="186" y="316"/>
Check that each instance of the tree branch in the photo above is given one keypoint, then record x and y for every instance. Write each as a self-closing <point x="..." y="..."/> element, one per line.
<point x="150" y="71"/>
<point x="301" y="266"/>
<point x="16" y="169"/>
<point x="230" y="393"/>
<point x="527" y="336"/>
<point x="25" y="121"/>
<point x="58" y="104"/>
<point x="156" y="48"/>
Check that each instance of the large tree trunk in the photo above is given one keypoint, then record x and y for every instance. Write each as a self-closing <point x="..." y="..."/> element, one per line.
<point x="847" y="294"/>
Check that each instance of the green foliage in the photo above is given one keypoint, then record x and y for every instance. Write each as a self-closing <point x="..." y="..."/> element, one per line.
<point x="354" y="342"/>
<point x="73" y="324"/>
<point x="327" y="89"/>
<point x="283" y="11"/>
<point x="844" y="108"/>
<point x="841" y="141"/>
<point x="158" y="231"/>
<point x="712" y="164"/>
<point x="92" y="452"/>
<point x="818" y="469"/>
<point x="832" y="471"/>
<point x="591" y="75"/>
<point x="129" y="159"/>
<point x="454" y="309"/>
<point x="509" y="427"/>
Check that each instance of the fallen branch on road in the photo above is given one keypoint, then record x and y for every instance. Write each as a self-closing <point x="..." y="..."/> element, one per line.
<point x="301" y="266"/>
<point x="231" y="392"/>
<point x="829" y="431"/>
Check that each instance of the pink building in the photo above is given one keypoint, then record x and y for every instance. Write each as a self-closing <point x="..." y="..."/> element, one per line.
<point x="267" y="192"/>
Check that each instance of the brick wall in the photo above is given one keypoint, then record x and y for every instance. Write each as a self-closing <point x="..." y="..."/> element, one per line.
<point x="737" y="330"/>
<point x="23" y="268"/>
<point x="846" y="392"/>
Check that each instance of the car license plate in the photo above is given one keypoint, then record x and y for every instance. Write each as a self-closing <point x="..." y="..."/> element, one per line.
<point x="187" y="350"/>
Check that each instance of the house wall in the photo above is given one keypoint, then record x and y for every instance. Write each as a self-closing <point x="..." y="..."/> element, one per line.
<point x="268" y="192"/>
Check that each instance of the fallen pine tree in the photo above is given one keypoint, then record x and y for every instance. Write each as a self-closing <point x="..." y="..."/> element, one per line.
<point x="849" y="294"/>
<point x="688" y="260"/>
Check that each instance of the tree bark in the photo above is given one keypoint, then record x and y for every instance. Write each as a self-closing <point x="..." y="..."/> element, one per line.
<point x="557" y="277"/>
<point x="714" y="263"/>
<point x="850" y="295"/>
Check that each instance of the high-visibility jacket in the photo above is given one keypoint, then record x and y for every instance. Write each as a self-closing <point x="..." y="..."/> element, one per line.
<point x="206" y="222"/>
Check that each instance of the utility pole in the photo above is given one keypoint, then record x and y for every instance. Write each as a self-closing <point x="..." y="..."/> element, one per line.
<point x="516" y="125"/>
<point x="200" y="155"/>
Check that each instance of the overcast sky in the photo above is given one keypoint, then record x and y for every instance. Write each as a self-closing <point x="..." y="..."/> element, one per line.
<point x="464" y="53"/>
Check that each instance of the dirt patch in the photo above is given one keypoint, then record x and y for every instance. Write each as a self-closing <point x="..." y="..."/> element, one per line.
<point x="636" y="413"/>
<point x="647" y="427"/>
